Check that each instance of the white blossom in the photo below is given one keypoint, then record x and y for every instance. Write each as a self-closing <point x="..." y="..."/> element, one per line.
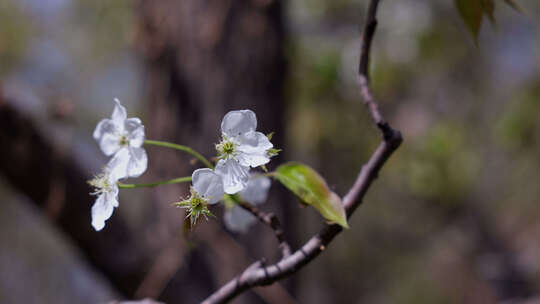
<point x="122" y="137"/>
<point x="208" y="185"/>
<point x="207" y="189"/>
<point x="241" y="148"/>
<point x="106" y="190"/>
<point x="256" y="192"/>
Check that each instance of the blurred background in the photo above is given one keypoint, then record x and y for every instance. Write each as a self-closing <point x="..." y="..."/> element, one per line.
<point x="453" y="217"/>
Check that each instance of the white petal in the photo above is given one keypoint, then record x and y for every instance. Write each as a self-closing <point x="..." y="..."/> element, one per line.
<point x="256" y="191"/>
<point x="109" y="143"/>
<point x="235" y="176"/>
<point x="138" y="162"/>
<point x="102" y="211"/>
<point x="118" y="165"/>
<point x="135" y="130"/>
<point x="119" y="113"/>
<point x="208" y="184"/>
<point x="238" y="219"/>
<point x="114" y="202"/>
<point x="105" y="126"/>
<point x="237" y="122"/>
<point x="252" y="149"/>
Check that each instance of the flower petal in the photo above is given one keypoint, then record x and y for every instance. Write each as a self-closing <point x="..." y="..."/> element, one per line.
<point x="137" y="163"/>
<point x="135" y="130"/>
<point x="238" y="219"/>
<point x="102" y="210"/>
<point x="118" y="165"/>
<point x="256" y="191"/>
<point x="105" y="126"/>
<point x="208" y="184"/>
<point x="109" y="143"/>
<point x="119" y="113"/>
<point x="235" y="176"/>
<point x="237" y="122"/>
<point x="252" y="148"/>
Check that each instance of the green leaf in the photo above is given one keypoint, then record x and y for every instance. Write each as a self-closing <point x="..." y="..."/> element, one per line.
<point x="312" y="189"/>
<point x="489" y="9"/>
<point x="514" y="5"/>
<point x="472" y="12"/>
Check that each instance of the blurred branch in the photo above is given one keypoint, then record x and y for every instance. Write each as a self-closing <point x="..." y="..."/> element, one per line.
<point x="271" y="221"/>
<point x="258" y="274"/>
<point x="39" y="160"/>
<point x="145" y="301"/>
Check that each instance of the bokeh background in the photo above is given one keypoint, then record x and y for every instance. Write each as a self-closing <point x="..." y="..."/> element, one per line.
<point x="453" y="217"/>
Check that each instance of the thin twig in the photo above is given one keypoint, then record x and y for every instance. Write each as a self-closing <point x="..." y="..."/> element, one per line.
<point x="370" y="26"/>
<point x="271" y="221"/>
<point x="265" y="275"/>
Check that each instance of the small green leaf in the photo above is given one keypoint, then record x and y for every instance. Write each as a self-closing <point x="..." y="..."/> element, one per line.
<point x="312" y="189"/>
<point x="472" y="12"/>
<point x="514" y="5"/>
<point x="489" y="9"/>
<point x="273" y="152"/>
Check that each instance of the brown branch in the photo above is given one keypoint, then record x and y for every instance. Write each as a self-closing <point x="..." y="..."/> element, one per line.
<point x="257" y="274"/>
<point x="267" y="275"/>
<point x="271" y="221"/>
<point x="370" y="26"/>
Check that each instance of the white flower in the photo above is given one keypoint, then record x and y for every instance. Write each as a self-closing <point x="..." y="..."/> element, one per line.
<point x="256" y="192"/>
<point x="124" y="138"/>
<point x="106" y="190"/>
<point x="241" y="148"/>
<point x="207" y="189"/>
<point x="208" y="185"/>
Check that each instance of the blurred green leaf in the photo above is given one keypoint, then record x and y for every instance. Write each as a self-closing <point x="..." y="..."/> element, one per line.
<point x="309" y="186"/>
<point x="472" y="13"/>
<point x="15" y="34"/>
<point x="443" y="166"/>
<point x="489" y="9"/>
<point x="514" y="5"/>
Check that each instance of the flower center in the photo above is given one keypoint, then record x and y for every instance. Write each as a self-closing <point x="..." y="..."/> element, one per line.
<point x="101" y="184"/>
<point x="124" y="140"/>
<point x="226" y="148"/>
<point x="196" y="206"/>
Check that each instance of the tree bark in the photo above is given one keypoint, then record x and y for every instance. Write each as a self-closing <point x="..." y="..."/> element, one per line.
<point x="203" y="59"/>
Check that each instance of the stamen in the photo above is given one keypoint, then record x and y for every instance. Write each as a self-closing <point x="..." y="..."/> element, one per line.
<point x="101" y="184"/>
<point x="196" y="206"/>
<point x="226" y="148"/>
<point x="124" y="140"/>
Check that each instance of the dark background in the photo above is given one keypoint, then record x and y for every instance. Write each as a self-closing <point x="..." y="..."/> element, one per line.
<point x="453" y="217"/>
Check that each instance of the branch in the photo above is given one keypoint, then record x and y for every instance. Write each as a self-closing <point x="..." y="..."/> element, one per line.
<point x="271" y="221"/>
<point x="363" y="74"/>
<point x="258" y="274"/>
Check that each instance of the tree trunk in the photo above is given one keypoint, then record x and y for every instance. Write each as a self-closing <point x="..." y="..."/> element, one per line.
<point x="203" y="59"/>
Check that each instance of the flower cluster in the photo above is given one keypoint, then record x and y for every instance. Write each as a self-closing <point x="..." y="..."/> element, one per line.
<point x="122" y="138"/>
<point x="241" y="148"/>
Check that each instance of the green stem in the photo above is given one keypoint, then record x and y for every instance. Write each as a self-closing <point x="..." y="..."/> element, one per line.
<point x="181" y="148"/>
<point x="167" y="182"/>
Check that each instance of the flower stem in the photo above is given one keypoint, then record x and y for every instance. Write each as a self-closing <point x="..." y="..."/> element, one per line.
<point x="167" y="182"/>
<point x="181" y="148"/>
